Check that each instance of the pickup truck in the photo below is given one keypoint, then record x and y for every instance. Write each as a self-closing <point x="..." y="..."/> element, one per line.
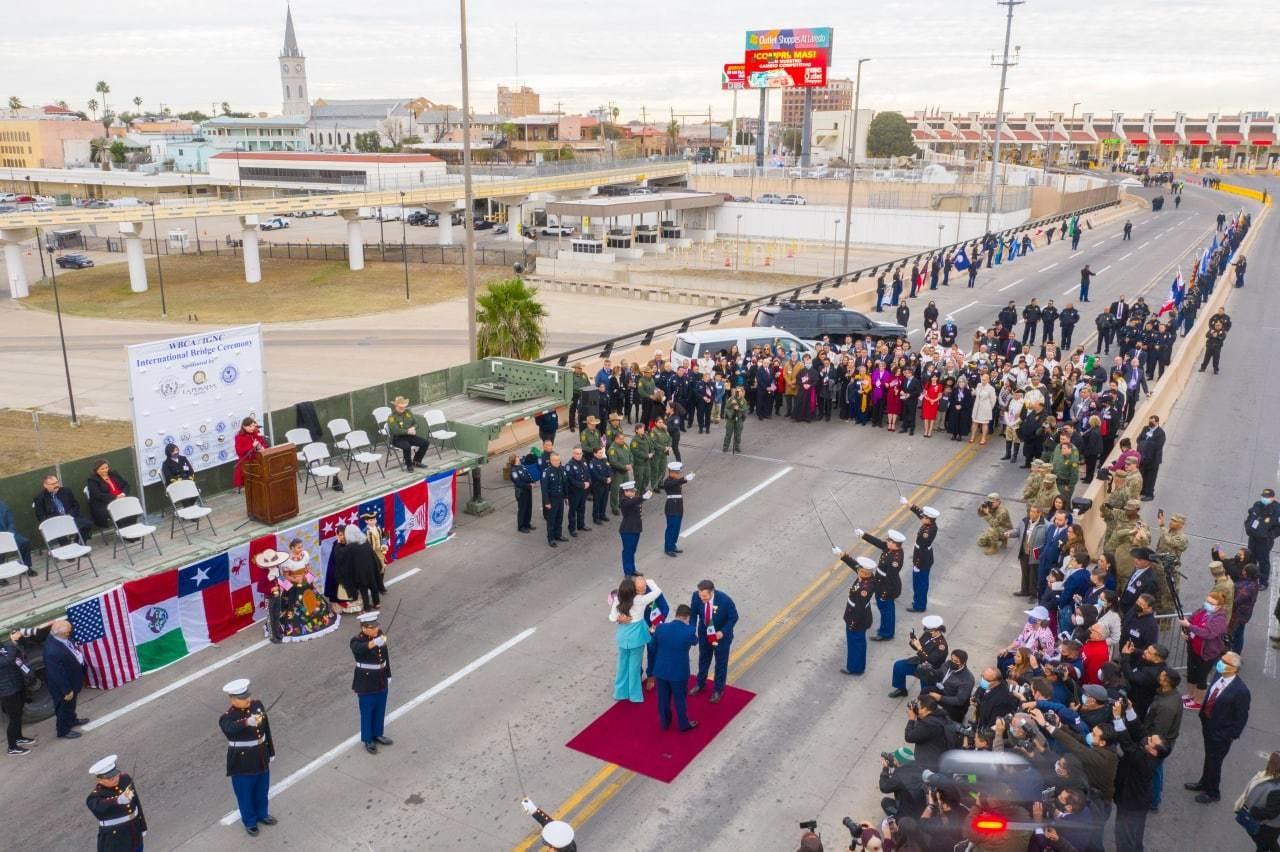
<point x="275" y="223"/>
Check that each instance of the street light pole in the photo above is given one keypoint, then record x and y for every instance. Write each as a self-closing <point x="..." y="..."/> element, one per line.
<point x="737" y="245"/>
<point x="155" y="238"/>
<point x="404" y="247"/>
<point x="853" y="156"/>
<point x="835" y="242"/>
<point x="1070" y="146"/>
<point x="1004" y="75"/>
<point x="62" y="338"/>
<point x="468" y="249"/>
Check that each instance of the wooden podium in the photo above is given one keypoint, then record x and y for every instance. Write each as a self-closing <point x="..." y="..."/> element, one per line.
<point x="271" y="484"/>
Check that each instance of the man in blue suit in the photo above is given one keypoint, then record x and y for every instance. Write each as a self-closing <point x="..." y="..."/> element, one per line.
<point x="671" y="643"/>
<point x="714" y="616"/>
<point x="64" y="674"/>
<point x="1055" y="538"/>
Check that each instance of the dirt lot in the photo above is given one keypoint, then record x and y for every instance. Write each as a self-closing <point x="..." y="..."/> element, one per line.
<point x="27" y="443"/>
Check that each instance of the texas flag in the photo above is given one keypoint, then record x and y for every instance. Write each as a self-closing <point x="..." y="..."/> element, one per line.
<point x="1176" y="292"/>
<point x="180" y="612"/>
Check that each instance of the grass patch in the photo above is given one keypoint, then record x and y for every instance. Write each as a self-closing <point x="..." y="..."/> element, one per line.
<point x="213" y="289"/>
<point x="28" y="444"/>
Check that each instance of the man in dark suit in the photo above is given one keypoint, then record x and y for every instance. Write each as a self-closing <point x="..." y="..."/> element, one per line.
<point x="955" y="688"/>
<point x="1223" y="715"/>
<point x="671" y="643"/>
<point x="1151" y="447"/>
<point x="64" y="674"/>
<point x="994" y="698"/>
<point x="714" y="618"/>
<point x="56" y="499"/>
<point x="1142" y="581"/>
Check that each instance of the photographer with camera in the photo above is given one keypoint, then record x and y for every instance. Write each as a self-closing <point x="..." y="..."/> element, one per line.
<point x="1141" y="756"/>
<point x="1096" y="754"/>
<point x="927" y="663"/>
<point x="944" y="818"/>
<point x="902" y="778"/>
<point x="1075" y="823"/>
<point x="810" y="841"/>
<point x="1142" y="669"/>
<point x="996" y="515"/>
<point x="931" y="731"/>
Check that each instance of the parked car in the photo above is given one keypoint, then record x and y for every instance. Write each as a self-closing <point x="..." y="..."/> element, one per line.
<point x="126" y="201"/>
<point x="275" y="223"/>
<point x="73" y="261"/>
<point x="793" y="199"/>
<point x="743" y="198"/>
<point x="418" y="217"/>
<point x="770" y="198"/>
<point x="41" y="207"/>
<point x="644" y="190"/>
<point x="6" y="197"/>
<point x="810" y="319"/>
<point x="97" y="204"/>
<point x="8" y="208"/>
<point x="690" y="345"/>
<point x="482" y="224"/>
<point x="556" y="231"/>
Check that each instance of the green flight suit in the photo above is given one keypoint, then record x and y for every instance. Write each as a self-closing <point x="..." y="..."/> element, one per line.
<point x="735" y="413"/>
<point x="660" y="438"/>
<point x="619" y="458"/>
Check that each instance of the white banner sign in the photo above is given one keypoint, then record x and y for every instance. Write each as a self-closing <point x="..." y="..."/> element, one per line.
<point x="193" y="392"/>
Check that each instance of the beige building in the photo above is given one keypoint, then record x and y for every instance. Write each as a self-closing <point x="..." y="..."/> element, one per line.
<point x="837" y="95"/>
<point x="522" y="101"/>
<point x="46" y="143"/>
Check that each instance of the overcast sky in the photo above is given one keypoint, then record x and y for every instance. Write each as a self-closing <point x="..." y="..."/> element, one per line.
<point x="1192" y="55"/>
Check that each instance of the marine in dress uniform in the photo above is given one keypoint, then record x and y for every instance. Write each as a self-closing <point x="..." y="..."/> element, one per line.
<point x="922" y="554"/>
<point x="673" y="485"/>
<point x="577" y="483"/>
<point x="556" y="834"/>
<point x="857" y="611"/>
<point x="930" y="649"/>
<point x="522" y="484"/>
<point x="371" y="680"/>
<point x="249" y="754"/>
<point x="631" y="525"/>
<point x="601" y="475"/>
<point x="889" y="574"/>
<point x="114" y="802"/>
<point x="715" y="615"/>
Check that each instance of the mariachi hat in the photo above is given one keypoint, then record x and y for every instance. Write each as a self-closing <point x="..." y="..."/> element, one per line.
<point x="1144" y="553"/>
<point x="896" y="536"/>
<point x="557" y="834"/>
<point x="238" y="688"/>
<point x="369" y="617"/>
<point x="400" y="400"/>
<point x="629" y="485"/>
<point x="931" y="622"/>
<point x="270" y="558"/>
<point x="104" y="768"/>
<point x="930" y="512"/>
<point x="866" y="562"/>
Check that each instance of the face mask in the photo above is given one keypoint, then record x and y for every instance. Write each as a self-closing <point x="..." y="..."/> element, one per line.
<point x="1077" y="619"/>
<point x="1266" y="501"/>
<point x="1208" y="607"/>
<point x="1221" y="667"/>
<point x="955" y="667"/>
<point x="1088" y="739"/>
<point x="1057" y="587"/>
<point x="983" y="683"/>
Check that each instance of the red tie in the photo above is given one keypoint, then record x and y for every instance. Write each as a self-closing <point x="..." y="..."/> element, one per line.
<point x="707" y="613"/>
<point x="1213" y="699"/>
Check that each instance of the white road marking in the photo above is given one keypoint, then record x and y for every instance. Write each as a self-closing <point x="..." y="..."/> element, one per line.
<point x="718" y="512"/>
<point x="1144" y="245"/>
<point x="1105" y="268"/>
<point x="1145" y="221"/>
<point x="964" y="308"/>
<point x="1074" y="253"/>
<point x="1158" y="236"/>
<point x="99" y="721"/>
<point x="1070" y="290"/>
<point x="912" y="331"/>
<point x="413" y="703"/>
<point x="1014" y="284"/>
<point x="1047" y="268"/>
<point x="1127" y="256"/>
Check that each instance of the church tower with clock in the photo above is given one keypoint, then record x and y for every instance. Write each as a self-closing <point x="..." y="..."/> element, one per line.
<point x="293" y="73"/>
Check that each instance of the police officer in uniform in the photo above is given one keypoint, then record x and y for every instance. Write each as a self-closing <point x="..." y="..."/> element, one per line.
<point x="922" y="554"/>
<point x="601" y="475"/>
<point x="114" y="801"/>
<point x="673" y="485"/>
<point x="578" y="483"/>
<point x="249" y="753"/>
<point x="590" y="435"/>
<point x="522" y="483"/>
<point x="554" y="490"/>
<point x="889" y="574"/>
<point x="372" y="680"/>
<point x="1067" y="320"/>
<point x="857" y="611"/>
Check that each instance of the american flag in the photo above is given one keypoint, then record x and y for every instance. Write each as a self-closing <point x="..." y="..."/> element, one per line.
<point x="102" y="631"/>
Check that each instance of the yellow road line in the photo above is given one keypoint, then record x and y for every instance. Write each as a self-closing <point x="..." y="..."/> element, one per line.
<point x="803" y="603"/>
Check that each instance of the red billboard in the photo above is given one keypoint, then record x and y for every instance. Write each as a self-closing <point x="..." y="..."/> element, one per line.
<point x="734" y="76"/>
<point x="781" y="59"/>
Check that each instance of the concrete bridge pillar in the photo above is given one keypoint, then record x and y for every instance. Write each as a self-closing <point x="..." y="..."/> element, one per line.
<point x="355" y="239"/>
<point x="16" y="271"/>
<point x="249" y="248"/>
<point x="132" y="233"/>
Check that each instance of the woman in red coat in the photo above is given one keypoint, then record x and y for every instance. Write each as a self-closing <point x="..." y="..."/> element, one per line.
<point x="929" y="405"/>
<point x="248" y="442"/>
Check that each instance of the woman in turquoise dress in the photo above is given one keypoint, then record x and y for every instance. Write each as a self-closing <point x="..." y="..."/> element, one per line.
<point x="626" y="609"/>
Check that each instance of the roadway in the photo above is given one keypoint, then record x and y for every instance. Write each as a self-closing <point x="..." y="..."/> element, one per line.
<point x="497" y="628"/>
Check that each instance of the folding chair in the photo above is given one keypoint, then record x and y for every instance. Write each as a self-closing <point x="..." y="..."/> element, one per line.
<point x="359" y="453"/>
<point x="435" y="417"/>
<point x="58" y="529"/>
<point x="299" y="438"/>
<point x="128" y="511"/>
<point x="10" y="568"/>
<point x="338" y="430"/>
<point x="102" y="531"/>
<point x="188" y="508"/>
<point x="380" y="415"/>
<point x="317" y="460"/>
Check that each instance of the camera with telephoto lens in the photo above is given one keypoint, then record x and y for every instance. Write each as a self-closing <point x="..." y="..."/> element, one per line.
<point x="809" y="825"/>
<point x="985" y="507"/>
<point x="887" y="757"/>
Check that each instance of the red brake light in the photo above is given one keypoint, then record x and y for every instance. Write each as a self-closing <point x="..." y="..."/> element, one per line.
<point x="990" y="823"/>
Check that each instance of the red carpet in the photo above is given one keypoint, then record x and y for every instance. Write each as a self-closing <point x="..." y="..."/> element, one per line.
<point x="630" y="736"/>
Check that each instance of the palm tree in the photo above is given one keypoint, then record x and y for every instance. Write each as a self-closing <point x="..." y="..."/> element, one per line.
<point x="15" y="102"/>
<point x="97" y="149"/>
<point x="510" y="321"/>
<point x="226" y="108"/>
<point x="673" y="134"/>
<point x="137" y="103"/>
<point x="93" y="108"/>
<point x="62" y="104"/>
<point x="615" y="112"/>
<point x="103" y="89"/>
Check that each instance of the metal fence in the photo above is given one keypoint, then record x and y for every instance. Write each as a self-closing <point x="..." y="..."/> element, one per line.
<point x="389" y="252"/>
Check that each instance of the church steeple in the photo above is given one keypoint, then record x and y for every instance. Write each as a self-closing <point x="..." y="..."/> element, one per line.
<point x="293" y="73"/>
<point x="290" y="40"/>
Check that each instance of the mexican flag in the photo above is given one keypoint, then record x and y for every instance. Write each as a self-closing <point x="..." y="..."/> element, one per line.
<point x="180" y="612"/>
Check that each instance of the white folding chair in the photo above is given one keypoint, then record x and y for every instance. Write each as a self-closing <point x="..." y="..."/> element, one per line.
<point x="435" y="418"/>
<point x="56" y="531"/>
<point x="128" y="520"/>
<point x="380" y="415"/>
<point x="10" y="568"/>
<point x="360" y="454"/>
<point x="102" y="531"/>
<point x="317" y="461"/>
<point x="338" y="430"/>
<point x="299" y="438"/>
<point x="188" y="508"/>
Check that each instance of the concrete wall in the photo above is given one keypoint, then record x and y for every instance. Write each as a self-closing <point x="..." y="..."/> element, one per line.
<point x="1046" y="201"/>
<point x="813" y="222"/>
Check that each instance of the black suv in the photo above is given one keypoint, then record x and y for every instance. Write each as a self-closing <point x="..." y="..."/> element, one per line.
<point x="810" y="319"/>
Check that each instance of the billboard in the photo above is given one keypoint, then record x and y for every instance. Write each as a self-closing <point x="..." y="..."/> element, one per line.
<point x="193" y="391"/>
<point x="780" y="59"/>
<point x="734" y="76"/>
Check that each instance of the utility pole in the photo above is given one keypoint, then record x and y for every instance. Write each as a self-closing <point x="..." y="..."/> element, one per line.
<point x="468" y="248"/>
<point x="853" y="152"/>
<point x="1005" y="64"/>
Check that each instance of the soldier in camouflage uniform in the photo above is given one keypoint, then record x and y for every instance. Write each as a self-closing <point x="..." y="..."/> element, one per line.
<point x="660" y="438"/>
<point x="619" y="458"/>
<point x="1113" y="507"/>
<point x="590" y="436"/>
<point x="998" y="524"/>
<point x="642" y="459"/>
<point x="735" y="412"/>
<point x="1031" y="488"/>
<point x="1129" y="532"/>
<point x="1172" y="542"/>
<point x="1048" y="489"/>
